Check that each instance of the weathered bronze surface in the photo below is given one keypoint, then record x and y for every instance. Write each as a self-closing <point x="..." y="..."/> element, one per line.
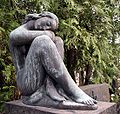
<point x="41" y="74"/>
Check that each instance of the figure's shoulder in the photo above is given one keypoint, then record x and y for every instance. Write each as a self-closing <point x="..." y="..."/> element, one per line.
<point x="17" y="31"/>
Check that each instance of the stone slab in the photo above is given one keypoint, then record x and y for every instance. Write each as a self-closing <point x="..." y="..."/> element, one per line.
<point x="17" y="107"/>
<point x="99" y="92"/>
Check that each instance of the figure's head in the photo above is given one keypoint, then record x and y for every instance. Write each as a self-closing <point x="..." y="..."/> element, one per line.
<point x="43" y="21"/>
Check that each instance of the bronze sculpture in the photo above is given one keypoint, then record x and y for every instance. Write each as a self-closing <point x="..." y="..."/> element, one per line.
<point x="41" y="74"/>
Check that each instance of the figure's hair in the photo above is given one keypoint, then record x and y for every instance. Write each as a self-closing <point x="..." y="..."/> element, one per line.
<point x="36" y="16"/>
<point x="50" y="15"/>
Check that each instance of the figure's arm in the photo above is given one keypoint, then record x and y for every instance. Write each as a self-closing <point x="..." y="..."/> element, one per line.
<point x="22" y="35"/>
<point x="18" y="56"/>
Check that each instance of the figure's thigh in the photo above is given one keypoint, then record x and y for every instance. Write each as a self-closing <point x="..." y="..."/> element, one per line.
<point x="43" y="54"/>
<point x="32" y="76"/>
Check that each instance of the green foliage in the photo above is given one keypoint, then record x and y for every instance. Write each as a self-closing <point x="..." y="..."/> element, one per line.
<point x="89" y="29"/>
<point x="6" y="94"/>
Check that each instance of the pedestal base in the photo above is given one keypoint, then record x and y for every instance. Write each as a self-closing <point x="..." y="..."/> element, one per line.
<point x="17" y="107"/>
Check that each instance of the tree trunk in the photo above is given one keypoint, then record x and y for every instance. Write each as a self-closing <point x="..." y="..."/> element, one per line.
<point x="89" y="69"/>
<point x="71" y="62"/>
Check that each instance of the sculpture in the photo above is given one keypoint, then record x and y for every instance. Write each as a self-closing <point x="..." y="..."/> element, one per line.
<point x="41" y="74"/>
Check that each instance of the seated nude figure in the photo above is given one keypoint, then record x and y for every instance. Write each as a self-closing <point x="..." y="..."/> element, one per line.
<point x="38" y="58"/>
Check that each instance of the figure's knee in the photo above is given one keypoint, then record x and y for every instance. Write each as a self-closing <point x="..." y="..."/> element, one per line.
<point x="41" y="41"/>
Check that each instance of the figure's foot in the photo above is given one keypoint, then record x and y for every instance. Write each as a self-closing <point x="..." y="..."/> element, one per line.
<point x="85" y="99"/>
<point x="77" y="106"/>
<point x="35" y="97"/>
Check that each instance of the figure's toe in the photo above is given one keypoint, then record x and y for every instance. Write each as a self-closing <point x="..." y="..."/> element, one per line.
<point x="95" y="101"/>
<point x="89" y="102"/>
<point x="86" y="102"/>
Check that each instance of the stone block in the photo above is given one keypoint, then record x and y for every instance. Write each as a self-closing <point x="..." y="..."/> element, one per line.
<point x="99" y="92"/>
<point x="17" y="107"/>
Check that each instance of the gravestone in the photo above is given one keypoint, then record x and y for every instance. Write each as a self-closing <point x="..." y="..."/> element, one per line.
<point x="100" y="92"/>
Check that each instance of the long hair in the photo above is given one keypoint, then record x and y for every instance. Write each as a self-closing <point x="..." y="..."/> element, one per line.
<point x="36" y="16"/>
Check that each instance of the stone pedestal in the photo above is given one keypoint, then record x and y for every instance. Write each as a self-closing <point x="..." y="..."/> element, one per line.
<point x="17" y="107"/>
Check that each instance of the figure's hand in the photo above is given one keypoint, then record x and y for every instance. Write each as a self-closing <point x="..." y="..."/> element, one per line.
<point x="22" y="36"/>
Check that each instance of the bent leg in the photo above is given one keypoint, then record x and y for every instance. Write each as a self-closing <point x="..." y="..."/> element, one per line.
<point x="54" y="66"/>
<point x="32" y="76"/>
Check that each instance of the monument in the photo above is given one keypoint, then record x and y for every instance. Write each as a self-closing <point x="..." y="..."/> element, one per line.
<point x="38" y="57"/>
